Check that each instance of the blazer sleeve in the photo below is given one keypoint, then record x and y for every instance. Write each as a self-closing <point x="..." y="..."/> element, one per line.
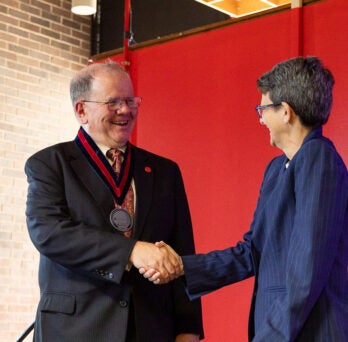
<point x="205" y="273"/>
<point x="66" y="225"/>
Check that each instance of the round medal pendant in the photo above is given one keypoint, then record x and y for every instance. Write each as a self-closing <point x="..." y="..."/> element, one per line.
<point x="121" y="220"/>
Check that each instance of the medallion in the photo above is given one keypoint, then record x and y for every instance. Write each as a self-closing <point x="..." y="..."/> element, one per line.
<point x="121" y="220"/>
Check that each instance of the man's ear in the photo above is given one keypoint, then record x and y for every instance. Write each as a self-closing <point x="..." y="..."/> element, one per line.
<point x="80" y="112"/>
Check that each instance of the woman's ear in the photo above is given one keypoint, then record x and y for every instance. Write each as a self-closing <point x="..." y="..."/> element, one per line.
<point x="288" y="113"/>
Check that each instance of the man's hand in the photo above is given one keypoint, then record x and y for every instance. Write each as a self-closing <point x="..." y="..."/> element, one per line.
<point x="155" y="275"/>
<point x="159" y="259"/>
<point x="187" y="338"/>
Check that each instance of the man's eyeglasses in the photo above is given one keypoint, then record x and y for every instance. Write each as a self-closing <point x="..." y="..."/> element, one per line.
<point x="259" y="109"/>
<point x="115" y="104"/>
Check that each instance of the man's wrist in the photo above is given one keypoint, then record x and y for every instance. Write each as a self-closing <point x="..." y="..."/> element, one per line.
<point x="131" y="257"/>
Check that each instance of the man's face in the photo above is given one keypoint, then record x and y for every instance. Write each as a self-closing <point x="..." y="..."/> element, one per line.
<point x="111" y="128"/>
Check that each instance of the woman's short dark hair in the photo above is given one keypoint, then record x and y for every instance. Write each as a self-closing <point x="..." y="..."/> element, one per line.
<point x="305" y="84"/>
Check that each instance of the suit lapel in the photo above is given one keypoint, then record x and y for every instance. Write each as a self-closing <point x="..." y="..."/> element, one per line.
<point x="91" y="181"/>
<point x="143" y="179"/>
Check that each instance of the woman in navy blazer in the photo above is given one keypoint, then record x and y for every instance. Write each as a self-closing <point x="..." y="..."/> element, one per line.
<point x="297" y="245"/>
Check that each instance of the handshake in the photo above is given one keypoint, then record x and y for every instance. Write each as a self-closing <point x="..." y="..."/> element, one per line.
<point x="158" y="262"/>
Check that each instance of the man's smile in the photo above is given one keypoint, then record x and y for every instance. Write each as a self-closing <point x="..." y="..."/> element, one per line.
<point x="120" y="123"/>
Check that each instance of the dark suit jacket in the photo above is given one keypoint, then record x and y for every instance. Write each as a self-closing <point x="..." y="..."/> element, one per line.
<point x="297" y="248"/>
<point x="85" y="290"/>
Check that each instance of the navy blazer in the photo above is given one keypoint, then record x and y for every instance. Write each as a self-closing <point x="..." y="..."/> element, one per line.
<point x="297" y="249"/>
<point x="85" y="290"/>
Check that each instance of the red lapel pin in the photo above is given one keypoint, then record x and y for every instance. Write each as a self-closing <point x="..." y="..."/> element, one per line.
<point x="148" y="169"/>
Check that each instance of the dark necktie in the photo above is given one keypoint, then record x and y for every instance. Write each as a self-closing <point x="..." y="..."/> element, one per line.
<point x="116" y="157"/>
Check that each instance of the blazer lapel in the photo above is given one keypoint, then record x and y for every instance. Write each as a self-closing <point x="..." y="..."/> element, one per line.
<point x="143" y="179"/>
<point x="92" y="182"/>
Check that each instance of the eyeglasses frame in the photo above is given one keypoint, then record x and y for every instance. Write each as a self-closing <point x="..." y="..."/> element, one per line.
<point x="260" y="108"/>
<point x="118" y="102"/>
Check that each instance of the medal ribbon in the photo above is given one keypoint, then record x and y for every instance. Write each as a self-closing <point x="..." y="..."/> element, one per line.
<point x="117" y="185"/>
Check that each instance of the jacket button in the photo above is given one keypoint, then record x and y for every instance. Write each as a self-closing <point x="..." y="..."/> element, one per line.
<point x="110" y="275"/>
<point x="123" y="303"/>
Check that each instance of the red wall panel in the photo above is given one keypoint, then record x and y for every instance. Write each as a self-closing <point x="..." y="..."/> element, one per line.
<point x="199" y="94"/>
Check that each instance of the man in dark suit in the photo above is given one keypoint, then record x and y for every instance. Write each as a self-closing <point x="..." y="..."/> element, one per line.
<point x="297" y="245"/>
<point x="95" y="222"/>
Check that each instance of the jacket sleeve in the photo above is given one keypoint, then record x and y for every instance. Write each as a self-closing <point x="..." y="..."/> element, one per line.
<point x="205" y="273"/>
<point x="66" y="225"/>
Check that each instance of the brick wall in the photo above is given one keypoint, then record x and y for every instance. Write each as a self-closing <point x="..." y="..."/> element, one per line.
<point x="42" y="44"/>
